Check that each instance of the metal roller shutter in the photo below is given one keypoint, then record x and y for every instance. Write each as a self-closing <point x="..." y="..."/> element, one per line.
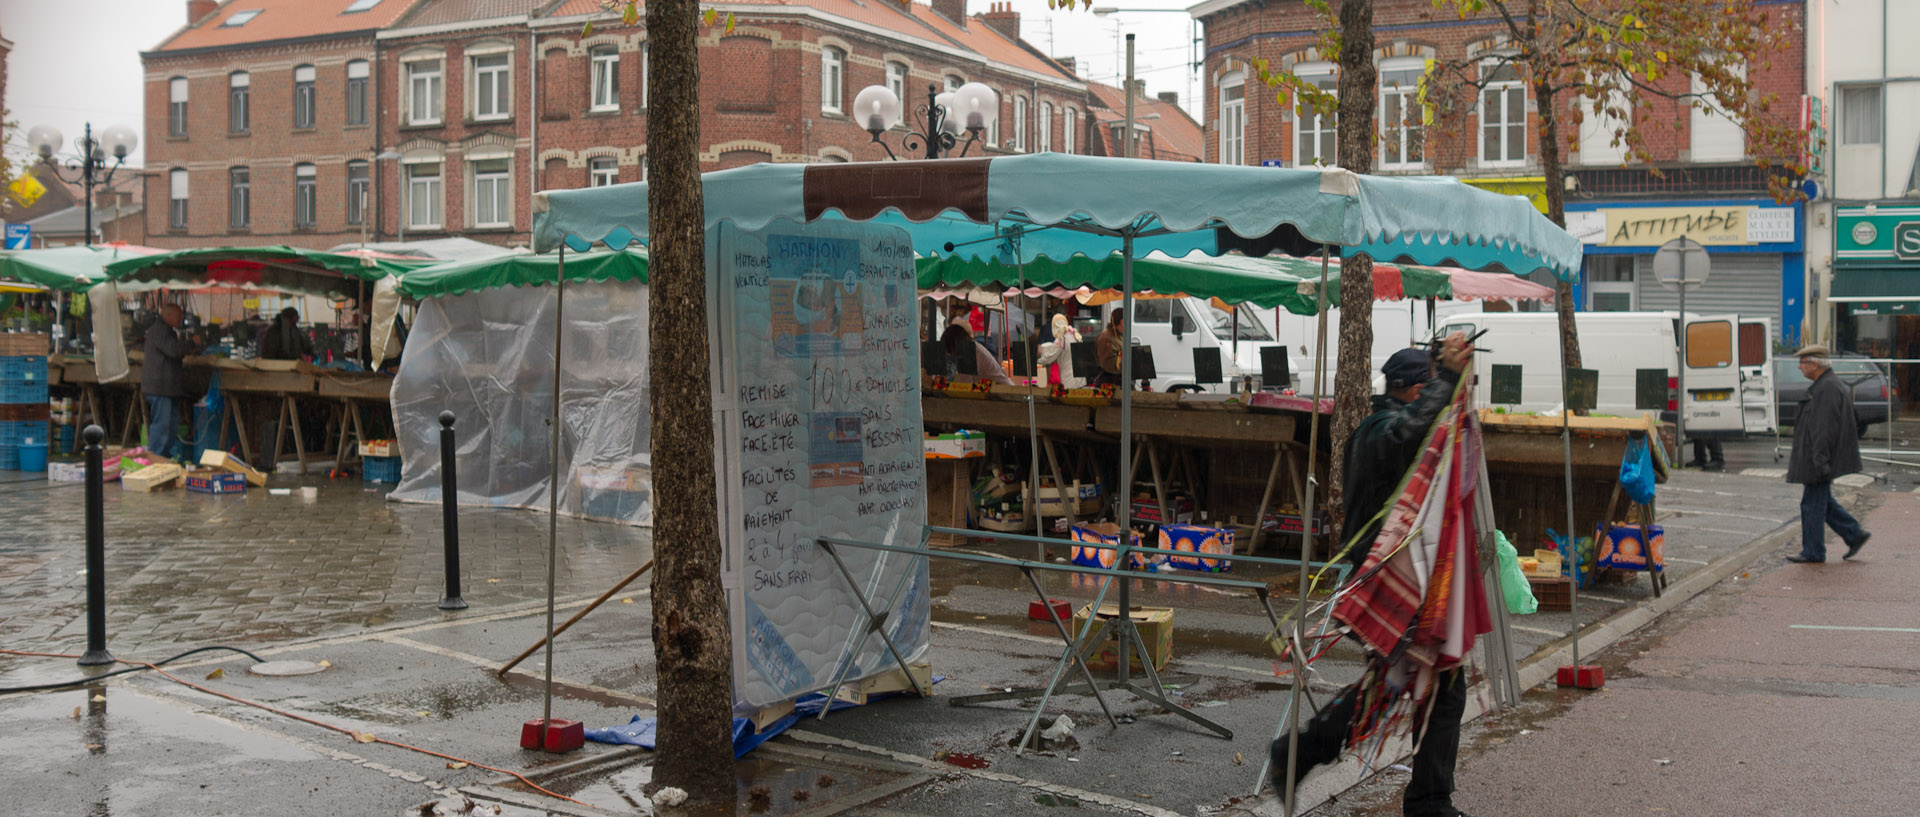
<point x="1744" y="283"/>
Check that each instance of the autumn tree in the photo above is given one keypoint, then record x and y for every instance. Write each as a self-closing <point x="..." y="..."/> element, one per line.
<point x="1639" y="65"/>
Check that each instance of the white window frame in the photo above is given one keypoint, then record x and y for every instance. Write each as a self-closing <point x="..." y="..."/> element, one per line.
<point x="1313" y="131"/>
<point x="426" y="81"/>
<point x="1621" y="264"/>
<point x="645" y="66"/>
<point x="603" y="79"/>
<point x="306" y="196"/>
<point x="1704" y="121"/>
<point x="1019" y="141"/>
<point x="603" y="171"/>
<point x="239" y="198"/>
<point x="492" y="189"/>
<point x="304" y="96"/>
<point x="1043" y="127"/>
<point x="427" y="191"/>
<point x="1233" y="118"/>
<point x="833" y="80"/>
<point x="239" y="102"/>
<point x="359" y="192"/>
<point x="501" y="75"/>
<point x="177" y="181"/>
<point x="1068" y="127"/>
<point x="1867" y="130"/>
<point x="1408" y="138"/>
<point x="177" y="89"/>
<point x="1504" y="89"/>
<point x="897" y="82"/>
<point x="358" y="90"/>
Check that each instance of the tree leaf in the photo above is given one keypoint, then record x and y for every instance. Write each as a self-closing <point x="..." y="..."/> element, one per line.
<point x="712" y="15"/>
<point x="729" y="22"/>
<point x="631" y="15"/>
<point x="218" y="673"/>
<point x="587" y="30"/>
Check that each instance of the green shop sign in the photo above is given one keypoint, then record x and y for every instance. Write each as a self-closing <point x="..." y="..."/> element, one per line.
<point x="1881" y="234"/>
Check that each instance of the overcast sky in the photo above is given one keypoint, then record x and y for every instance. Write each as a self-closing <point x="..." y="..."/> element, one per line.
<point x="66" y="71"/>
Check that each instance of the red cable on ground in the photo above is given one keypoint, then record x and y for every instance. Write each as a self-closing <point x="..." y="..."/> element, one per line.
<point x="304" y="719"/>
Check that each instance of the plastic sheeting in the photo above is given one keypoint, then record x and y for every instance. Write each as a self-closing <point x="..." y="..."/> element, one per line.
<point x="488" y="357"/>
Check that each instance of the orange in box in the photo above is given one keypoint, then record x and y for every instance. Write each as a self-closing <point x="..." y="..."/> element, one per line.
<point x="1156" y="629"/>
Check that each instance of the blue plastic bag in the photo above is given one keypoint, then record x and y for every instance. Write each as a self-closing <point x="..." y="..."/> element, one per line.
<point x="1636" y="470"/>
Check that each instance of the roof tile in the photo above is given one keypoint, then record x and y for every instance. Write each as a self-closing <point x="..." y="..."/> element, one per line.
<point x="283" y="19"/>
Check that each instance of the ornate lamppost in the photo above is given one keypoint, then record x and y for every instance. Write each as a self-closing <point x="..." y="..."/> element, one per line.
<point x="88" y="165"/>
<point x="972" y="108"/>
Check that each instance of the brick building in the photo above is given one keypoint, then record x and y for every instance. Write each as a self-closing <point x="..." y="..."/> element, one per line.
<point x="451" y="113"/>
<point x="1758" y="269"/>
<point x="1162" y="129"/>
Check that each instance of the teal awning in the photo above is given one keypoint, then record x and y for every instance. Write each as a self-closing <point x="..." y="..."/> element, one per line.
<point x="275" y="268"/>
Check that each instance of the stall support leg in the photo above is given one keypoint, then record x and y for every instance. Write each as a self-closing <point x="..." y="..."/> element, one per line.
<point x="239" y="409"/>
<point x="1159" y="484"/>
<point x="299" y="437"/>
<point x="876" y="623"/>
<point x="280" y="436"/>
<point x="1067" y="502"/>
<point x="1266" y="498"/>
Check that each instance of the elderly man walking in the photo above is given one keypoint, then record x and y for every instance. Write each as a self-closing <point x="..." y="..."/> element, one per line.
<point x="1826" y="444"/>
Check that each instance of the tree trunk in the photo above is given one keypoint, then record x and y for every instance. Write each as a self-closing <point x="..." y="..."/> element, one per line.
<point x="691" y="645"/>
<point x="1353" y="382"/>
<point x="1551" y="167"/>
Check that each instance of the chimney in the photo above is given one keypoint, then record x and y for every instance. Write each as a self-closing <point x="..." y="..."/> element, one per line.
<point x="1170" y="97"/>
<point x="1002" y="18"/>
<point x="1067" y="63"/>
<point x="954" y="10"/>
<point x="1140" y="88"/>
<point x="198" y="10"/>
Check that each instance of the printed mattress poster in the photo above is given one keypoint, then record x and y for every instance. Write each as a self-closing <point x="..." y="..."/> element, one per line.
<point x="819" y="354"/>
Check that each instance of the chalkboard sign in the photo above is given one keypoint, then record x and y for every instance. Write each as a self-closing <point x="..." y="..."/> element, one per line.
<point x="1086" y="360"/>
<point x="1583" y="389"/>
<point x="933" y="358"/>
<point x="1275" y="371"/>
<point x="1022" y="360"/>
<point x="1650" y="389"/>
<point x="1206" y="365"/>
<point x="1506" y="384"/>
<point x="1143" y="363"/>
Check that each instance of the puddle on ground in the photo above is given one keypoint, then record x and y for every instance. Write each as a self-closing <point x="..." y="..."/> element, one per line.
<point x="766" y="784"/>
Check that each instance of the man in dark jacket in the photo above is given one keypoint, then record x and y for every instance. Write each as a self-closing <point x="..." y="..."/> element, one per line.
<point x="284" y="340"/>
<point x="1826" y="444"/>
<point x="1381" y="450"/>
<point x="1107" y="347"/>
<point x="162" y="381"/>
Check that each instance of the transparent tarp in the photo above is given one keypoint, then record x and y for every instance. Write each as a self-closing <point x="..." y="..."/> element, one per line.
<point x="487" y="356"/>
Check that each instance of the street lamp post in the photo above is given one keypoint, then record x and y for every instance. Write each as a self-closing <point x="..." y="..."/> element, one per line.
<point x="366" y="192"/>
<point x="1192" y="65"/>
<point x="972" y="108"/>
<point x="119" y="140"/>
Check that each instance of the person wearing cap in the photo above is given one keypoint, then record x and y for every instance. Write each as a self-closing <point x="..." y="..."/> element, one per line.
<point x="1826" y="444"/>
<point x="1378" y="455"/>
<point x="960" y="341"/>
<point x="284" y="340"/>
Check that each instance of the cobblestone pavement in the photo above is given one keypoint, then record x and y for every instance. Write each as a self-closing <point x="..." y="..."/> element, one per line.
<point x="188" y="569"/>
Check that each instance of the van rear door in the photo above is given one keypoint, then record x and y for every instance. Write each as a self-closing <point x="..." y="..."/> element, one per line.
<point x="1712" y="398"/>
<point x="1757" y="401"/>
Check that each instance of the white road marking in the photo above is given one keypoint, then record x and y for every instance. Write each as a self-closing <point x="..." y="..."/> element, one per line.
<point x="1535" y="630"/>
<point x="1860" y="629"/>
<point x="1770" y="473"/>
<point x="488" y="663"/>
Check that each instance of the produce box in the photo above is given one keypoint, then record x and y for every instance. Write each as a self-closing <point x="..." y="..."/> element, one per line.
<point x="1084" y="495"/>
<point x="1106" y="533"/>
<point x="1622" y="549"/>
<point x="1148" y="511"/>
<point x="1555" y="593"/>
<point x="16" y="344"/>
<point x="209" y="481"/>
<point x="1290" y="523"/>
<point x="153" y="477"/>
<point x="380" y="448"/>
<point x="222" y="461"/>
<point x="1547" y="564"/>
<point x="1156" y="629"/>
<point x="1203" y="542"/>
<point x="959" y="445"/>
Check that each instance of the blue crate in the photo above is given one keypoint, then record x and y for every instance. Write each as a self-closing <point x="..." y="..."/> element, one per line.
<point x="16" y="392"/>
<point x="9" y="457"/>
<point x="13" y="433"/>
<point x="380" y="469"/>
<point x="23" y="369"/>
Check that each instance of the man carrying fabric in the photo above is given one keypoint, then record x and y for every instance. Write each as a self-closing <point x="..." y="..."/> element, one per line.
<point x="1382" y="448"/>
<point x="163" y="381"/>
<point x="1826" y="444"/>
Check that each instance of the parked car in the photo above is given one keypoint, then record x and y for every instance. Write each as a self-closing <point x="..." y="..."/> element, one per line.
<point x="1872" y="393"/>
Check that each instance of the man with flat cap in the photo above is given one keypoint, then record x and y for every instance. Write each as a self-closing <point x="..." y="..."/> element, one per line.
<point x="1826" y="444"/>
<point x="1381" y="450"/>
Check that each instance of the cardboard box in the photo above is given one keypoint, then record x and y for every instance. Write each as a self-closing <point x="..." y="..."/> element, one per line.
<point x="959" y="445"/>
<point x="1290" y="523"/>
<point x="860" y="692"/>
<point x="222" y="461"/>
<point x="1203" y="542"/>
<point x="1085" y="497"/>
<point x="1105" y="533"/>
<point x="1148" y="511"/>
<point x="1548" y="562"/>
<point x="1622" y="549"/>
<point x="209" y="481"/>
<point x="1156" y="629"/>
<point x="380" y="448"/>
<point x="153" y="477"/>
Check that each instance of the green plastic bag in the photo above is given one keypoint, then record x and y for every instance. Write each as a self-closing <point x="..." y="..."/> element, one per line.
<point x="1513" y="583"/>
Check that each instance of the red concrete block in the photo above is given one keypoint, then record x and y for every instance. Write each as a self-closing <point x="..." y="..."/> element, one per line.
<point x="1038" y="611"/>
<point x="562" y="735"/>
<point x="1584" y="676"/>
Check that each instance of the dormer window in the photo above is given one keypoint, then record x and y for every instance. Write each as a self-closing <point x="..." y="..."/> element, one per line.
<point x="240" y="18"/>
<point x="361" y="5"/>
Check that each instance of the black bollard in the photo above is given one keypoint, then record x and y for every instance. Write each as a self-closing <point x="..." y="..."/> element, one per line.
<point x="97" y="654"/>
<point x="449" y="501"/>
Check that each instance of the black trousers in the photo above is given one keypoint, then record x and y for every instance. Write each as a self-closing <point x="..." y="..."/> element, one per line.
<point x="1430" y="791"/>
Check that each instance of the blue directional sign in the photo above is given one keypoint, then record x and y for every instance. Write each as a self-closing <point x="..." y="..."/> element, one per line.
<point x="1272" y="163"/>
<point x="19" y="236"/>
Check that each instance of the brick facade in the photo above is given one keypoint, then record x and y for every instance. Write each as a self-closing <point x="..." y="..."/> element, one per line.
<point x="1285" y="35"/>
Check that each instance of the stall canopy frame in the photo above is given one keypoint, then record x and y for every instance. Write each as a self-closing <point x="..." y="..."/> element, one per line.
<point x="1017" y="209"/>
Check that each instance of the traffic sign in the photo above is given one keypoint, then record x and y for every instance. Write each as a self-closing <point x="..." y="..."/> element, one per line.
<point x="1272" y="163"/>
<point x="1681" y="261"/>
<point x="19" y="236"/>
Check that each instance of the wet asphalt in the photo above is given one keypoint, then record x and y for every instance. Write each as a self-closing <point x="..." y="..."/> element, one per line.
<point x="352" y="580"/>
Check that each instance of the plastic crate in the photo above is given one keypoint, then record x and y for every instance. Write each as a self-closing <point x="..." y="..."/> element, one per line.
<point x="14" y="433"/>
<point x="15" y="392"/>
<point x="9" y="457"/>
<point x="23" y="369"/>
<point x="380" y="469"/>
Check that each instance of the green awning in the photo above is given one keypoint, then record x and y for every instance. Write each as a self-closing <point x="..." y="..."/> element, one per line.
<point x="460" y="277"/>
<point x="277" y="268"/>
<point x="68" y="269"/>
<point x="1276" y="281"/>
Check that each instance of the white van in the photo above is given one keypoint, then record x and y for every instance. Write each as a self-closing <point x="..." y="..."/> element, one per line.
<point x="1729" y="383"/>
<point x="1175" y="327"/>
<point x="1396" y="325"/>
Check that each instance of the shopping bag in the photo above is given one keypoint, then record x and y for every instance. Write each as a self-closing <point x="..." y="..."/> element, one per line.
<point x="1636" y="470"/>
<point x="1513" y="581"/>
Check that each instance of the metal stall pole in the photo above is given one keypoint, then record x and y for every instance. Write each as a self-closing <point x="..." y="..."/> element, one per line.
<point x="1306" y="529"/>
<point x="1124" y="491"/>
<point x="553" y="491"/>
<point x="1566" y="462"/>
<point x="96" y="654"/>
<point x="450" y="514"/>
